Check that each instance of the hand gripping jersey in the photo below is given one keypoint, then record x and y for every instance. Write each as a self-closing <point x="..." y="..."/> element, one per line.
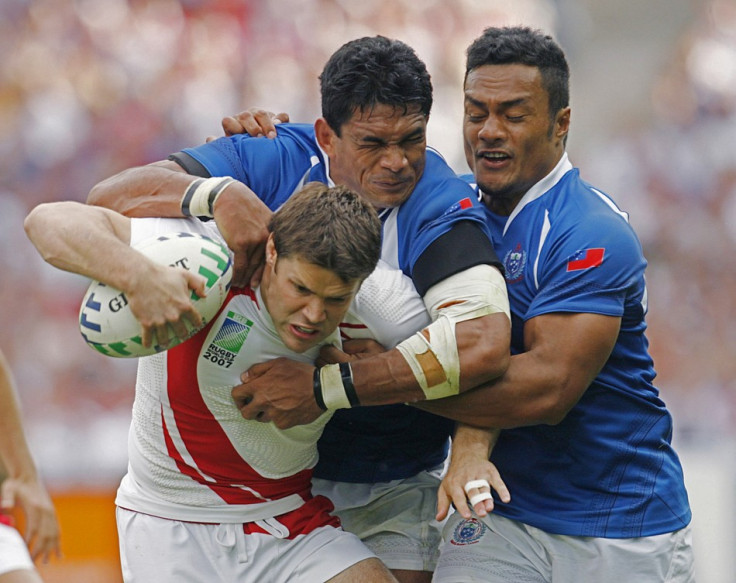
<point x="378" y="443"/>
<point x="608" y="469"/>
<point x="192" y="455"/>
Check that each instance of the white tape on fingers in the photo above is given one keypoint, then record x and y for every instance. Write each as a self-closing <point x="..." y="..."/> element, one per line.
<point x="479" y="498"/>
<point x="476" y="484"/>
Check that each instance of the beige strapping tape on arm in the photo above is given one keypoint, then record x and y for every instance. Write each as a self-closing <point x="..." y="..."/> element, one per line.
<point x="432" y="353"/>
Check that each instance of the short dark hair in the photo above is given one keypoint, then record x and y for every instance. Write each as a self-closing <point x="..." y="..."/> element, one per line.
<point x="333" y="228"/>
<point x="525" y="46"/>
<point x="372" y="71"/>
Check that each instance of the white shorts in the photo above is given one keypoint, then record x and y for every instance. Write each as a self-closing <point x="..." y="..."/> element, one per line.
<point x="14" y="554"/>
<point x="497" y="550"/>
<point x="159" y="549"/>
<point x="396" y="519"/>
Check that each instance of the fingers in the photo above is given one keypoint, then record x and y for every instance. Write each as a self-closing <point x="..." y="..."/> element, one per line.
<point x="254" y="122"/>
<point x="444" y="501"/>
<point x="330" y="354"/>
<point x="478" y="493"/>
<point x="231" y="126"/>
<point x="257" y="273"/>
<point x="248" y="266"/>
<point x="500" y="487"/>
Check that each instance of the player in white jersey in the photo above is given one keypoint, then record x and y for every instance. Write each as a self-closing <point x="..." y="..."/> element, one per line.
<point x="209" y="493"/>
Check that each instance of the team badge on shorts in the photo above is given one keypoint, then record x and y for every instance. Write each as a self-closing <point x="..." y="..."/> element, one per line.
<point x="468" y="532"/>
<point x="514" y="263"/>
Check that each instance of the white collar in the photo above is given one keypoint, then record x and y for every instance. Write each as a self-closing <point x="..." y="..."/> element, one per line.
<point x="562" y="168"/>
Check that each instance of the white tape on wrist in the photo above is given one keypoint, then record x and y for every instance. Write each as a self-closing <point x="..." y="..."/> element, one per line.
<point x="200" y="196"/>
<point x="334" y="394"/>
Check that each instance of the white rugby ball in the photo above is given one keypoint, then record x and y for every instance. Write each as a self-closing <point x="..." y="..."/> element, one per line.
<point x="105" y="319"/>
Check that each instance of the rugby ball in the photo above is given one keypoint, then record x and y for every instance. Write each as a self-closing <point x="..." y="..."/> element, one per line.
<point x="105" y="319"/>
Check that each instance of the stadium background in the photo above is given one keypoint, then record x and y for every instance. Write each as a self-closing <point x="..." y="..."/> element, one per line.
<point x="89" y="87"/>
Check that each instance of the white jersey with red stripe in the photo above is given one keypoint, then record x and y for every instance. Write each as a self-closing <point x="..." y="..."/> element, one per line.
<point x="192" y="456"/>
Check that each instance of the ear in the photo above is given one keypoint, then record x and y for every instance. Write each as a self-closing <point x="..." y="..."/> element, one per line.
<point x="271" y="253"/>
<point x="325" y="135"/>
<point x="562" y="123"/>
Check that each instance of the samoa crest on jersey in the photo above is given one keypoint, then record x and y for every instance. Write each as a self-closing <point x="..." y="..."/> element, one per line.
<point x="514" y="263"/>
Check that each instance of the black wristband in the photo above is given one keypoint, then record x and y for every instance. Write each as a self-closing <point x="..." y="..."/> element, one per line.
<point x="215" y="192"/>
<point x="346" y="374"/>
<point x="188" y="194"/>
<point x="317" y="386"/>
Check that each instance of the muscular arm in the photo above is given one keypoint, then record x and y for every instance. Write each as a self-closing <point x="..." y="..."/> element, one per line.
<point x="564" y="353"/>
<point x="474" y="348"/>
<point x="156" y="190"/>
<point x="94" y="242"/>
<point x="482" y="345"/>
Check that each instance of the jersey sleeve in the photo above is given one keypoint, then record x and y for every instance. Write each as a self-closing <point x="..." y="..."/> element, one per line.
<point x="589" y="268"/>
<point x="387" y="308"/>
<point x="443" y="219"/>
<point x="144" y="228"/>
<point x="272" y="168"/>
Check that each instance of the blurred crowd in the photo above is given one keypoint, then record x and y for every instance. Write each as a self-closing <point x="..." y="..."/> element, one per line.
<point x="676" y="176"/>
<point x="90" y="87"/>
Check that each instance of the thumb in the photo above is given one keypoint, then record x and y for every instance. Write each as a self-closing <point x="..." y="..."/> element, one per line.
<point x="198" y="284"/>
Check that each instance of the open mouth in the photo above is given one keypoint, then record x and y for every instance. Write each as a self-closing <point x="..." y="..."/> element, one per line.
<point x="494" y="156"/>
<point x="303" y="332"/>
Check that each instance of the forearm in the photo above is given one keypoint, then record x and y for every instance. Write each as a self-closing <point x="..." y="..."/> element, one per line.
<point x="89" y="241"/>
<point x="482" y="346"/>
<point x="563" y="355"/>
<point x="15" y="455"/>
<point x="155" y="190"/>
<point x="522" y="396"/>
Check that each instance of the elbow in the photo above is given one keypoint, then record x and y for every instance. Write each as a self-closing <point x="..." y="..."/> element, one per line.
<point x="494" y="363"/>
<point x="96" y="196"/>
<point x="554" y="407"/>
<point x="495" y="340"/>
<point x="34" y="221"/>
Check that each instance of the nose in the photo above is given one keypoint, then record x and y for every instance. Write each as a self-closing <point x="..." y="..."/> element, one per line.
<point x="394" y="158"/>
<point x="314" y="310"/>
<point x="492" y="130"/>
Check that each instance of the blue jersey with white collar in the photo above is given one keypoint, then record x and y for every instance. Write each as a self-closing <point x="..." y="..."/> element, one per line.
<point x="370" y="444"/>
<point x="608" y="469"/>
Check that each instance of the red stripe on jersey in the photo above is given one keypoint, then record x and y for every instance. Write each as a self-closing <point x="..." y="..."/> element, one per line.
<point x="207" y="442"/>
<point x="465" y="203"/>
<point x="344" y="325"/>
<point x="315" y="513"/>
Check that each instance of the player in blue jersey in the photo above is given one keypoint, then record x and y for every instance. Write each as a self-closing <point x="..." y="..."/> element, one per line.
<point x="598" y="491"/>
<point x="376" y="99"/>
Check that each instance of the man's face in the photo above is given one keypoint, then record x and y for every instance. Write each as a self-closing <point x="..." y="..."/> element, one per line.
<point x="306" y="302"/>
<point x="510" y="140"/>
<point x="380" y="153"/>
